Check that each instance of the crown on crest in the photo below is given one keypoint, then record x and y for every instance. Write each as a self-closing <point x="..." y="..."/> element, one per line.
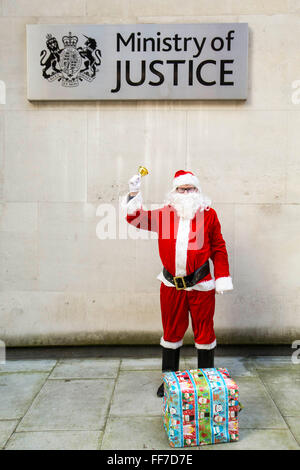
<point x="49" y="38"/>
<point x="70" y="40"/>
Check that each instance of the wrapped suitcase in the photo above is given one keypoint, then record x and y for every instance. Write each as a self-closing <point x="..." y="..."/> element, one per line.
<point x="200" y="407"/>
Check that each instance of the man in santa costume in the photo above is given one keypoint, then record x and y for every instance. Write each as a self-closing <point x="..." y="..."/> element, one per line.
<point x="189" y="233"/>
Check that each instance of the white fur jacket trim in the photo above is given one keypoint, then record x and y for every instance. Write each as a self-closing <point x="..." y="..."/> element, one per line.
<point x="223" y="284"/>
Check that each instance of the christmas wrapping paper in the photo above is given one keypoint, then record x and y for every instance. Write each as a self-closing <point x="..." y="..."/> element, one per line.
<point x="200" y="407"/>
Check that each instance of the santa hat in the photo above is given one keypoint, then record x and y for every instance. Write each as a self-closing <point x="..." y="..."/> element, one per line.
<point x="185" y="177"/>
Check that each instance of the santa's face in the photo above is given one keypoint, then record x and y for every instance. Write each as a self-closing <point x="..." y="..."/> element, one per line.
<point x="202" y="400"/>
<point x="186" y="200"/>
<point x="186" y="188"/>
<point x="218" y="408"/>
<point x="218" y="419"/>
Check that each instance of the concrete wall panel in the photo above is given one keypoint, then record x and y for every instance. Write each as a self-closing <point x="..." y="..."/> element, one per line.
<point x="61" y="161"/>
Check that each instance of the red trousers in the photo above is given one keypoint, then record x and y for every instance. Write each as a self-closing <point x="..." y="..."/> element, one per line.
<point x="175" y="308"/>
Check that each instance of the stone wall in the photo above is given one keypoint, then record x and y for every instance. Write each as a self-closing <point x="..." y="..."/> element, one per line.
<point x="60" y="284"/>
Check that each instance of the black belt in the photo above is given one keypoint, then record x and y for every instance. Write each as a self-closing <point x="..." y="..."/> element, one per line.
<point x="190" y="280"/>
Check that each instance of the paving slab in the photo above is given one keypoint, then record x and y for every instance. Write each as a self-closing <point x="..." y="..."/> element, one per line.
<point x="28" y="365"/>
<point x="293" y="423"/>
<point x="55" y="440"/>
<point x="17" y="391"/>
<point x="273" y="362"/>
<point x="112" y="403"/>
<point x="259" y="409"/>
<point x="69" y="405"/>
<point x="145" y="433"/>
<point x="237" y="366"/>
<point x="259" y="439"/>
<point x="146" y="363"/>
<point x="86" y="368"/>
<point x="135" y="394"/>
<point x="284" y="387"/>
<point x="6" y="429"/>
<point x="154" y="363"/>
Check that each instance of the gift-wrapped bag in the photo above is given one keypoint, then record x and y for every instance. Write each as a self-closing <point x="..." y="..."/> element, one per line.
<point x="200" y="407"/>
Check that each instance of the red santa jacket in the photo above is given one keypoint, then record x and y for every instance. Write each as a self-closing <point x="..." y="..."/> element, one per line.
<point x="185" y="245"/>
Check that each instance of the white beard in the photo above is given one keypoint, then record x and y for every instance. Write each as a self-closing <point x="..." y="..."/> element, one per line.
<point x="187" y="204"/>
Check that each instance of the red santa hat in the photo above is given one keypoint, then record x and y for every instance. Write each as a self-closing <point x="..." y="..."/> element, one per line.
<point x="185" y="177"/>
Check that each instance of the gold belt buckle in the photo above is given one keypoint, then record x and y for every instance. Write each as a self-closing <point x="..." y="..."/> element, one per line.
<point x="183" y="282"/>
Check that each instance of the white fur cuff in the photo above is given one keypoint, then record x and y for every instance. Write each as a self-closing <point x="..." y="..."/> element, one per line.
<point x="224" y="283"/>
<point x="134" y="204"/>
<point x="206" y="346"/>
<point x="169" y="345"/>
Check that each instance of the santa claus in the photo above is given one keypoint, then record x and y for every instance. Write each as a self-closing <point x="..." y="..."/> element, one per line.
<point x="189" y="234"/>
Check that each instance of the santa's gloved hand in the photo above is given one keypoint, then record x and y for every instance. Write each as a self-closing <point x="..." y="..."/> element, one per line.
<point x="220" y="292"/>
<point x="135" y="184"/>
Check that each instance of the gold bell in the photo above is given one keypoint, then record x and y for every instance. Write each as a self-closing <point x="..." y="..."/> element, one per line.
<point x="143" y="171"/>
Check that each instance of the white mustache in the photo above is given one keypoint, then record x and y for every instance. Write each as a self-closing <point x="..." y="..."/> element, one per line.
<point x="187" y="204"/>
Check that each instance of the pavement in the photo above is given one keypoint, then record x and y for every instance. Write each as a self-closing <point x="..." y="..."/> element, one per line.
<point x="92" y="401"/>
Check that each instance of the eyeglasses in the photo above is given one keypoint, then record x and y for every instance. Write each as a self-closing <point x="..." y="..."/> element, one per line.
<point x="188" y="190"/>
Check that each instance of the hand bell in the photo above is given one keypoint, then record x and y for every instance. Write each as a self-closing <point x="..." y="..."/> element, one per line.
<point x="143" y="171"/>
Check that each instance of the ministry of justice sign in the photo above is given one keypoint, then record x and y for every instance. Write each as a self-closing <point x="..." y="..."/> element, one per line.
<point x="137" y="62"/>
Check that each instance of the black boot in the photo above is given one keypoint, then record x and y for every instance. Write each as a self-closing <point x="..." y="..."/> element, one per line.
<point x="206" y="358"/>
<point x="170" y="362"/>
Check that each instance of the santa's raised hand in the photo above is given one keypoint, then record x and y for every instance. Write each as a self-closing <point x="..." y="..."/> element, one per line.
<point x="135" y="184"/>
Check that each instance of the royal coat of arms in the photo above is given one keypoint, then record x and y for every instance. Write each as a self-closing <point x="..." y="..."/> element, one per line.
<point x="71" y="64"/>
